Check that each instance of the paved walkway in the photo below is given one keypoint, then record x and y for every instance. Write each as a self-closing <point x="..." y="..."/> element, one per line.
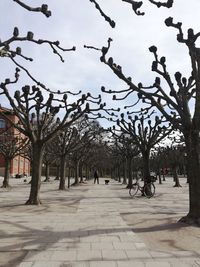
<point x="81" y="227"/>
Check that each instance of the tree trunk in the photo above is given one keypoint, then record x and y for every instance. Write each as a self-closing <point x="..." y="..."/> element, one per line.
<point x="57" y="173"/>
<point x="6" y="173"/>
<point x="193" y="169"/>
<point x="146" y="167"/>
<point x="146" y="171"/>
<point x="37" y="151"/>
<point x="76" y="173"/>
<point x="175" y="176"/>
<point x="119" y="175"/>
<point x="62" y="173"/>
<point x="69" y="175"/>
<point x="81" y="173"/>
<point x="159" y="176"/>
<point x="124" y="173"/>
<point x="163" y="174"/>
<point x="129" y="172"/>
<point x="47" y="179"/>
<point x="87" y="176"/>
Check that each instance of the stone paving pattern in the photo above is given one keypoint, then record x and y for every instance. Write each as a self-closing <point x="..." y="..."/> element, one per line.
<point x="80" y="227"/>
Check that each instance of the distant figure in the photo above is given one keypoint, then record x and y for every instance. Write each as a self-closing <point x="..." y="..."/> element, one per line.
<point x="96" y="177"/>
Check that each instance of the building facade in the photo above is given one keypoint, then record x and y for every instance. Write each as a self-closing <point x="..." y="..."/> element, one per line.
<point x="19" y="165"/>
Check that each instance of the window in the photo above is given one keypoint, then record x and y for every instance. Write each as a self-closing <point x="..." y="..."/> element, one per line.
<point x="2" y="124"/>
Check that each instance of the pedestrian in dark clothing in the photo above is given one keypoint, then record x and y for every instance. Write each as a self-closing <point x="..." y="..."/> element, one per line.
<point x="96" y="177"/>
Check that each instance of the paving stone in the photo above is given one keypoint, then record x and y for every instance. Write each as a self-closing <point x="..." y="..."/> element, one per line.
<point x="184" y="253"/>
<point x="92" y="234"/>
<point x="49" y="264"/>
<point x="161" y="254"/>
<point x="140" y="245"/>
<point x="157" y="264"/>
<point x="102" y="245"/>
<point x="69" y="239"/>
<point x="129" y="238"/>
<point x="9" y="246"/>
<point x="63" y="255"/>
<point x="124" y="245"/>
<point x="180" y="263"/>
<point x="130" y="264"/>
<point x="90" y="239"/>
<point x="26" y="264"/>
<point x="138" y="254"/>
<point x="88" y="255"/>
<point x="107" y="239"/>
<point x="78" y="264"/>
<point x="38" y="247"/>
<point x="103" y="264"/>
<point x="114" y="255"/>
<point x="38" y="256"/>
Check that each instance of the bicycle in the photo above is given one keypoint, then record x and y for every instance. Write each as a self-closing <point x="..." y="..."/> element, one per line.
<point x="148" y="189"/>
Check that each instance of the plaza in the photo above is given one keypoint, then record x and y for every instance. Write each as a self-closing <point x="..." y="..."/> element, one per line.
<point x="97" y="225"/>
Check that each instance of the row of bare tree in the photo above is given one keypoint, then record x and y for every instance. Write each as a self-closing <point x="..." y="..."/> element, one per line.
<point x="38" y="113"/>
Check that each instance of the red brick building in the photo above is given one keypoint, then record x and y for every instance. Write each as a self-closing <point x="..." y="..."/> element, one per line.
<point x="19" y="164"/>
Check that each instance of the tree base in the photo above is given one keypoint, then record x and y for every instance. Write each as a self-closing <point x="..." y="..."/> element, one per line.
<point x="177" y="185"/>
<point x="190" y="220"/>
<point x="33" y="202"/>
<point x="47" y="180"/>
<point x="62" y="189"/>
<point x="6" y="186"/>
<point x="74" y="184"/>
<point x="128" y="186"/>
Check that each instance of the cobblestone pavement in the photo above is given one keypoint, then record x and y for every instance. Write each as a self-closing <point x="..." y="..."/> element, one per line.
<point x="82" y="226"/>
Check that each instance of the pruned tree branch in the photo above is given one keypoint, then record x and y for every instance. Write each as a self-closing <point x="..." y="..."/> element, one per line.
<point x="43" y="9"/>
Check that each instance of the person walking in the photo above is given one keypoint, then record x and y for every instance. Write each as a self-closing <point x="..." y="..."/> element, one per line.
<point x="96" y="177"/>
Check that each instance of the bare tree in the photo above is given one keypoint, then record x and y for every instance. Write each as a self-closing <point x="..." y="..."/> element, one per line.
<point x="124" y="149"/>
<point x="175" y="106"/>
<point x="39" y="122"/>
<point x="135" y="5"/>
<point x="146" y="135"/>
<point x="64" y="143"/>
<point x="89" y="135"/>
<point x="11" y="145"/>
<point x="9" y="48"/>
<point x="49" y="158"/>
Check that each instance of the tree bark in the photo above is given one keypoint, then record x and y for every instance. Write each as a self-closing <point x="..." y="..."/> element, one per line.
<point x="76" y="172"/>
<point x="193" y="164"/>
<point x="69" y="176"/>
<point x="34" y="197"/>
<point x="6" y="173"/>
<point x="146" y="170"/>
<point x="146" y="166"/>
<point x="87" y="173"/>
<point x="119" y="174"/>
<point x="62" y="173"/>
<point x="163" y="174"/>
<point x="57" y="173"/>
<point x="124" y="173"/>
<point x="159" y="176"/>
<point x="81" y="173"/>
<point x="47" y="179"/>
<point x="129" y="172"/>
<point x="175" y="176"/>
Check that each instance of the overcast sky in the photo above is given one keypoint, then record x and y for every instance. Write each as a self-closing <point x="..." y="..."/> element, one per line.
<point x="77" y="22"/>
